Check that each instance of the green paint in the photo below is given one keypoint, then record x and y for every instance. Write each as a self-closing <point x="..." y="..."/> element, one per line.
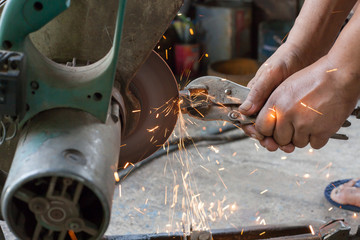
<point x="86" y="88"/>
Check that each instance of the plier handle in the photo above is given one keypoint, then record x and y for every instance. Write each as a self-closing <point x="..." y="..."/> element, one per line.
<point x="213" y="98"/>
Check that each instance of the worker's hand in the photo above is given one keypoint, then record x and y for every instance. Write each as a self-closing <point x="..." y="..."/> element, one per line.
<point x="309" y="106"/>
<point x="284" y="62"/>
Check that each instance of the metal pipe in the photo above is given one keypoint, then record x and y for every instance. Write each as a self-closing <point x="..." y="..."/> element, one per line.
<point x="61" y="181"/>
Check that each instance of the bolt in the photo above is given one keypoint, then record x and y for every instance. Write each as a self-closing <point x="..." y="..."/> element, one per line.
<point x="234" y="115"/>
<point x="228" y="91"/>
<point x="34" y="85"/>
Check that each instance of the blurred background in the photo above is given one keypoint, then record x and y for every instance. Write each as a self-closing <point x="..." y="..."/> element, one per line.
<point x="226" y="38"/>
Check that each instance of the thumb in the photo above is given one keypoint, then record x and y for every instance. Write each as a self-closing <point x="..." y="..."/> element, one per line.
<point x="263" y="84"/>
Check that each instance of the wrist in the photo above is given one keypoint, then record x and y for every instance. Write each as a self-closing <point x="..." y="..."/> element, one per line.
<point x="345" y="76"/>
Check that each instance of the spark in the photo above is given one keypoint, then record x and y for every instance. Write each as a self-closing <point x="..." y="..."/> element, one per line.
<point x="123" y="145"/>
<point x="312" y="230"/>
<point x="136" y="111"/>
<point x="312" y="109"/>
<point x="206" y="55"/>
<point x="273" y="116"/>
<point x="234" y="154"/>
<point x="253" y="172"/>
<point x="283" y="158"/>
<point x="126" y="165"/>
<point x="332" y="70"/>
<point x="221" y="169"/>
<point x="166" y="54"/>
<point x="272" y="109"/>
<point x="220" y="130"/>
<point x="116" y="176"/>
<point x="330" y="209"/>
<point x="282" y="41"/>
<point x="257" y="147"/>
<point x="263" y="222"/>
<point x="164" y="37"/>
<point x="306" y="175"/>
<point x="191" y="31"/>
<point x="119" y="190"/>
<point x="214" y="149"/>
<point x="72" y="235"/>
<point x="143" y="189"/>
<point x="261" y="233"/>
<point x="137" y="209"/>
<point x="222" y="181"/>
<point x="205" y="168"/>
<point x="311" y="150"/>
<point x="153" y="129"/>
<point x="355" y="215"/>
<point x="234" y="207"/>
<point x="266" y="190"/>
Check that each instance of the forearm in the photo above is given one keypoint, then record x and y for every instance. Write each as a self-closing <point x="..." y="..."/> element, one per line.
<point x="345" y="55"/>
<point x="317" y="27"/>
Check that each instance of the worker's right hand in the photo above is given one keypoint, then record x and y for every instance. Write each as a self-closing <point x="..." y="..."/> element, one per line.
<point x="287" y="60"/>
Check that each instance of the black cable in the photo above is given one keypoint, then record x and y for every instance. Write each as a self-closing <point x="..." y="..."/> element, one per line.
<point x="213" y="136"/>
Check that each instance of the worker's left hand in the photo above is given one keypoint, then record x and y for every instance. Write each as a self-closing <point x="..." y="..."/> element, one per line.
<point x="310" y="106"/>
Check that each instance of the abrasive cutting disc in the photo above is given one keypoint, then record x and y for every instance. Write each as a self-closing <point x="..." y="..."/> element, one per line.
<point x="156" y="88"/>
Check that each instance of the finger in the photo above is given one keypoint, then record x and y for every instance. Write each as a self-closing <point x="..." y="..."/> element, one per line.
<point x="283" y="132"/>
<point x="270" y="144"/>
<point x="261" y="88"/>
<point x="266" y="121"/>
<point x="318" y="142"/>
<point x="301" y="139"/>
<point x="251" y="132"/>
<point x="288" y="148"/>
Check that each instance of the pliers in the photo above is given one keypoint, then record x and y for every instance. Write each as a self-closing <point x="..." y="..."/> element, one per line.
<point x="213" y="98"/>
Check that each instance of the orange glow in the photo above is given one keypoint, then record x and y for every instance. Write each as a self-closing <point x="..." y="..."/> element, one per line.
<point x="164" y="37"/>
<point x="72" y="235"/>
<point x="116" y="176"/>
<point x="312" y="109"/>
<point x="312" y="230"/>
<point x="253" y="172"/>
<point x="191" y="31"/>
<point x="332" y="70"/>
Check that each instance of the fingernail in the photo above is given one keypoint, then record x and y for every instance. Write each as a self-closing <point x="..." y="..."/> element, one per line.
<point x="246" y="106"/>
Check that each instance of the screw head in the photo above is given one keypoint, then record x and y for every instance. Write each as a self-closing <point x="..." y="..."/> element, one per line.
<point x="233" y="115"/>
<point x="228" y="91"/>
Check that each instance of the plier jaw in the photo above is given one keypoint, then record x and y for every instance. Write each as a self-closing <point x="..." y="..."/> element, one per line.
<point x="213" y="98"/>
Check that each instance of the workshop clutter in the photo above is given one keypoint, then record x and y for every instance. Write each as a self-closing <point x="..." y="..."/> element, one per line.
<point x="212" y="31"/>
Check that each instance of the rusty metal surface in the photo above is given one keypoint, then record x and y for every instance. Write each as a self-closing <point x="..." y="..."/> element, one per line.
<point x="155" y="87"/>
